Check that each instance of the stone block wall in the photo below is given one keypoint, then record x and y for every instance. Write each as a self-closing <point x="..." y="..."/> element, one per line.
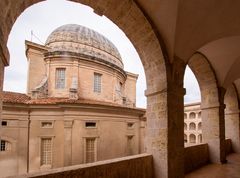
<point x="139" y="166"/>
<point x="195" y="157"/>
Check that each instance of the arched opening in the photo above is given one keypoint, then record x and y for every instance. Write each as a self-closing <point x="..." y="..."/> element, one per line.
<point x="211" y="107"/>
<point x="192" y="115"/>
<point x="185" y="126"/>
<point x="192" y="138"/>
<point x="185" y="138"/>
<point x="232" y="123"/>
<point x="192" y="126"/>
<point x="134" y="25"/>
<point x="185" y="115"/>
<point x="199" y="115"/>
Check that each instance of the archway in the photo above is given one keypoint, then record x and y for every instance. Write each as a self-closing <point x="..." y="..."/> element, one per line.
<point x="212" y="107"/>
<point x="192" y="138"/>
<point x="232" y="121"/>
<point x="192" y="126"/>
<point x="161" y="94"/>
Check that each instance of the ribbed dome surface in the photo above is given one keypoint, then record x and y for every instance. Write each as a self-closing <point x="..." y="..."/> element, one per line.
<point x="82" y="40"/>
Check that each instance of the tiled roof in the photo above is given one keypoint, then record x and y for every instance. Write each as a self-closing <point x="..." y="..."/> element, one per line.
<point x="12" y="97"/>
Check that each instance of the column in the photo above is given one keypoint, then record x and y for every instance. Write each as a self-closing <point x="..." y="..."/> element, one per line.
<point x="165" y="131"/>
<point x="213" y="128"/>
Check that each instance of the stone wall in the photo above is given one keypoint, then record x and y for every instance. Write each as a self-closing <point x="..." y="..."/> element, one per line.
<point x="139" y="166"/>
<point x="195" y="157"/>
<point x="228" y="146"/>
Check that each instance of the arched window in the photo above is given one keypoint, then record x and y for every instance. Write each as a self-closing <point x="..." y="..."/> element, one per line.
<point x="185" y="126"/>
<point x="199" y="126"/>
<point x="192" y="138"/>
<point x="5" y="145"/>
<point x="192" y="115"/>
<point x="200" y="138"/>
<point x="192" y="126"/>
<point x="199" y="114"/>
<point x="185" y="138"/>
<point x="185" y="116"/>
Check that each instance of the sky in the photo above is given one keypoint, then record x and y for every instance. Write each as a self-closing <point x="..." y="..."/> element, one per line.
<point x="42" y="18"/>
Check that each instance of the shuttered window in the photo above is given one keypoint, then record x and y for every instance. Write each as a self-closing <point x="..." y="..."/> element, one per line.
<point x="60" y="78"/>
<point x="90" y="150"/>
<point x="46" y="151"/>
<point x="97" y="82"/>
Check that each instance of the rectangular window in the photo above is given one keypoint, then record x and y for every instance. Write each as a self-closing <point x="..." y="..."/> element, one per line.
<point x="3" y="145"/>
<point x="46" y="124"/>
<point x="90" y="150"/>
<point x="4" y="123"/>
<point x="60" y="78"/>
<point x="90" y="124"/>
<point x="46" y="151"/>
<point x="97" y="82"/>
<point x="130" y="125"/>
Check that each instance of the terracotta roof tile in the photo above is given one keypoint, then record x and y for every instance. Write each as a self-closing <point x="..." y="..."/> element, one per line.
<point x="13" y="97"/>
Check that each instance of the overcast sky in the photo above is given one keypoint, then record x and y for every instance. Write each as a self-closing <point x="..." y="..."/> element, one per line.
<point x="44" y="17"/>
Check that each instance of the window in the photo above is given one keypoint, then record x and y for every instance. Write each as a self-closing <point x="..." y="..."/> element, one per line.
<point x="130" y="125"/>
<point x="46" y="124"/>
<point x="90" y="150"/>
<point x="90" y="124"/>
<point x="46" y="151"/>
<point x="5" y="145"/>
<point x="60" y="78"/>
<point x="97" y="82"/>
<point x="4" y="123"/>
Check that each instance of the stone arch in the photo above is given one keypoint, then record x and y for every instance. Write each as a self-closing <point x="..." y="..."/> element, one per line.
<point x="192" y="126"/>
<point x="200" y="115"/>
<point x="232" y="121"/>
<point x="185" y="115"/>
<point x="192" y="138"/>
<point x="200" y="126"/>
<point x="212" y="106"/>
<point x="192" y="115"/>
<point x="131" y="19"/>
<point x="185" y="126"/>
<point x="185" y="138"/>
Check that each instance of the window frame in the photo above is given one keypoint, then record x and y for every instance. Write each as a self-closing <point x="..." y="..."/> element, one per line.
<point x="85" y="149"/>
<point x="49" y="127"/>
<point x="97" y="82"/>
<point x="60" y="81"/>
<point x="51" y="156"/>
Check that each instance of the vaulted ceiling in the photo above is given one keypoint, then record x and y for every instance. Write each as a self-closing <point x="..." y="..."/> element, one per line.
<point x="211" y="27"/>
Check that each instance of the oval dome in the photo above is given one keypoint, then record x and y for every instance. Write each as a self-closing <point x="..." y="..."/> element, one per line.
<point x="80" y="40"/>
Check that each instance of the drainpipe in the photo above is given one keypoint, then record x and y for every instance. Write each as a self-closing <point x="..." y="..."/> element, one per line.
<point x="28" y="137"/>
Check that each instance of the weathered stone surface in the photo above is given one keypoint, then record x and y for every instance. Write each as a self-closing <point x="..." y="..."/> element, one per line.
<point x="195" y="156"/>
<point x="140" y="166"/>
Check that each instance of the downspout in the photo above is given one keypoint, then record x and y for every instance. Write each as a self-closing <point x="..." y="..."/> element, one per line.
<point x="28" y="137"/>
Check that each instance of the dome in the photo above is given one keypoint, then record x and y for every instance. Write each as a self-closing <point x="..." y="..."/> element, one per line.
<point x="78" y="40"/>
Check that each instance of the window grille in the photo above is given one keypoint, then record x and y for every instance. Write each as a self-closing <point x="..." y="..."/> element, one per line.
<point x="5" y="146"/>
<point x="97" y="82"/>
<point x="46" y="151"/>
<point x="90" y="150"/>
<point x="60" y="78"/>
